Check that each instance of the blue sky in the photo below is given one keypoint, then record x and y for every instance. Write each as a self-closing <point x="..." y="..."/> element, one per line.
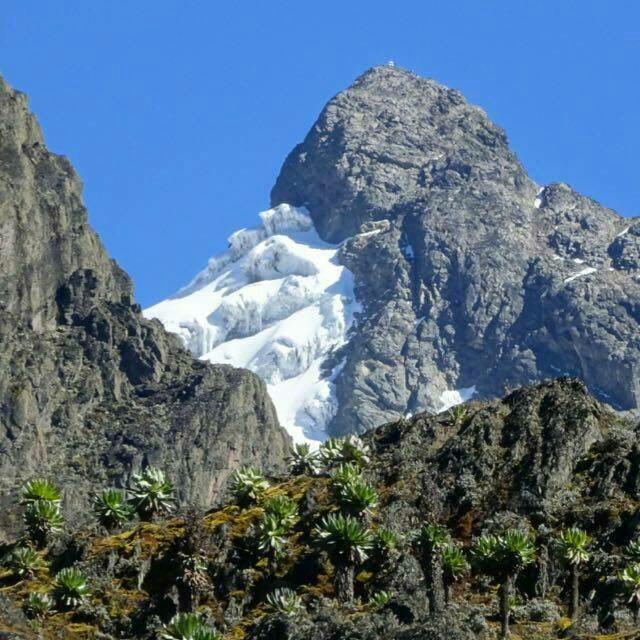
<point x="178" y="114"/>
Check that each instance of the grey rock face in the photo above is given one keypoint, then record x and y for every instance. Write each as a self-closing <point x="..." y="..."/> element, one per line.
<point x="468" y="273"/>
<point x="89" y="390"/>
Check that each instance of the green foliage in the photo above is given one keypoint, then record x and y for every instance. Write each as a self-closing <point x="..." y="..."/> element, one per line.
<point x="454" y="563"/>
<point x="432" y="537"/>
<point x="152" y="493"/>
<point x="378" y="600"/>
<point x="344" y="474"/>
<point x="271" y="535"/>
<point x="355" y="450"/>
<point x="385" y="541"/>
<point x="515" y="550"/>
<point x="70" y="588"/>
<point x="285" y="602"/>
<point x="112" y="508"/>
<point x="357" y="497"/>
<point x="330" y="452"/>
<point x="457" y="415"/>
<point x="630" y="578"/>
<point x="632" y="551"/>
<point x="344" y="538"/>
<point x="42" y="519"/>
<point x="572" y="544"/>
<point x="340" y="450"/>
<point x="38" y="490"/>
<point x="248" y="485"/>
<point x="37" y="605"/>
<point x="303" y="461"/>
<point x="484" y="553"/>
<point x="23" y="562"/>
<point x="188" y="626"/>
<point x="284" y="509"/>
<point x="503" y="555"/>
<point x="354" y="493"/>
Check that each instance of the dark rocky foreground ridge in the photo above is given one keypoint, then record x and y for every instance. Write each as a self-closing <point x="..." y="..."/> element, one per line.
<point x="89" y="390"/>
<point x="542" y="459"/>
<point x="467" y="274"/>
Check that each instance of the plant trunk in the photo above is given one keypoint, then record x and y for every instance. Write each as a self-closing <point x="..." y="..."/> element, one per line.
<point x="574" y="598"/>
<point x="635" y="611"/>
<point x="504" y="592"/>
<point x="435" y="583"/>
<point x="542" y="584"/>
<point x="447" y="592"/>
<point x="343" y="582"/>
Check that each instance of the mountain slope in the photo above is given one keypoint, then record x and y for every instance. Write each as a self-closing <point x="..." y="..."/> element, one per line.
<point x="470" y="277"/>
<point x="541" y="459"/>
<point x="90" y="391"/>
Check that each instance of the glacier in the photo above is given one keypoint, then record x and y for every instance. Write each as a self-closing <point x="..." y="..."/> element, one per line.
<point x="276" y="302"/>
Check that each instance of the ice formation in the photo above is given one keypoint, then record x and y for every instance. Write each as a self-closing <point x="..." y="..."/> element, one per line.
<point x="276" y="302"/>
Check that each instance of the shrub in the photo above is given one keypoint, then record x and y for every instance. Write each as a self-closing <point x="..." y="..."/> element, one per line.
<point x="38" y="490"/>
<point x="454" y="566"/>
<point x="188" y="626"/>
<point x="432" y="537"/>
<point x="457" y="415"/>
<point x="37" y="605"/>
<point x="385" y="541"/>
<point x="248" y="485"/>
<point x="347" y="542"/>
<point x="112" y="508"/>
<point x="344" y="474"/>
<point x="43" y="518"/>
<point x="630" y="578"/>
<point x="358" y="497"/>
<point x="378" y="600"/>
<point x="285" y="602"/>
<point x="23" y="562"/>
<point x="284" y="509"/>
<point x="152" y="493"/>
<point x="303" y="461"/>
<point x="70" y="588"/>
<point x="572" y="544"/>
<point x="271" y="535"/>
<point x="344" y="537"/>
<point x="632" y="551"/>
<point x="350" y="449"/>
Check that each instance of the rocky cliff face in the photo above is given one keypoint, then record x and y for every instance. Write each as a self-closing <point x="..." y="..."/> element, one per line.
<point x="89" y="390"/>
<point x="472" y="278"/>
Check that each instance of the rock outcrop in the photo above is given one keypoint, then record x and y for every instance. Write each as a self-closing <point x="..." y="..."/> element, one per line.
<point x="542" y="459"/>
<point x="470" y="275"/>
<point x="89" y="390"/>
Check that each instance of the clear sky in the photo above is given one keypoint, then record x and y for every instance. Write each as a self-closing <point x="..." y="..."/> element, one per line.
<point x="178" y="114"/>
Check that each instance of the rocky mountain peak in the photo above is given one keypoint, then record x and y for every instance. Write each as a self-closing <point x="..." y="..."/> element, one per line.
<point x="390" y="139"/>
<point x="470" y="279"/>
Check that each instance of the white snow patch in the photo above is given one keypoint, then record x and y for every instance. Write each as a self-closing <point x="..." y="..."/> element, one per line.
<point x="578" y="261"/>
<point x="537" y="203"/>
<point x="584" y="272"/>
<point x="276" y="302"/>
<point x="452" y="397"/>
<point x="557" y="257"/>
<point x="374" y="232"/>
<point x="408" y="252"/>
<point x="623" y="233"/>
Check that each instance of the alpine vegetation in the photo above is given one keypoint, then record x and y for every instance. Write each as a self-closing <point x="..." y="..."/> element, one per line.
<point x="151" y="493"/>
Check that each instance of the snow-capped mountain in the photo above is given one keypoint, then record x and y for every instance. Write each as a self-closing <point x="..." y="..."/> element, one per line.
<point x="276" y="302"/>
<point x="405" y="208"/>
